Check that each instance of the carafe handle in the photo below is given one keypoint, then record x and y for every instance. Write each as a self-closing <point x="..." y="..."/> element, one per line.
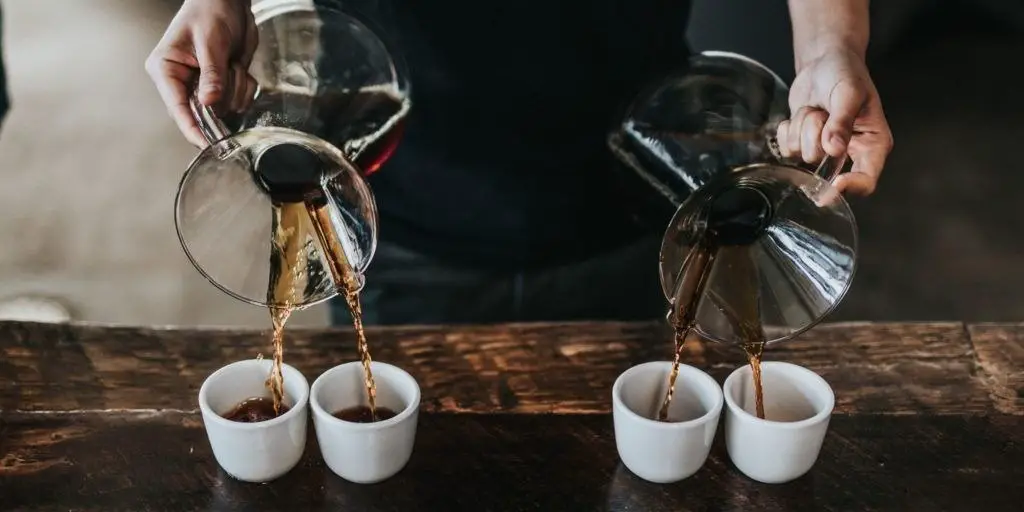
<point x="211" y="126"/>
<point x="824" y="193"/>
<point x="828" y="170"/>
<point x="831" y="166"/>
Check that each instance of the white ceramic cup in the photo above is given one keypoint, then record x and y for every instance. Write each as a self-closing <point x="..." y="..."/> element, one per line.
<point x="365" y="453"/>
<point x="254" y="452"/>
<point x="664" y="452"/>
<point x="785" y="445"/>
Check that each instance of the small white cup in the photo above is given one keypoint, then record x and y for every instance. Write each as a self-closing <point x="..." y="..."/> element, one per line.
<point x="254" y="452"/>
<point x="664" y="452"/>
<point x="365" y="453"/>
<point x="785" y="445"/>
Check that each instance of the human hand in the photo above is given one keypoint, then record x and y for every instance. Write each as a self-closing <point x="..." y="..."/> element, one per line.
<point x="215" y="39"/>
<point x="836" y="110"/>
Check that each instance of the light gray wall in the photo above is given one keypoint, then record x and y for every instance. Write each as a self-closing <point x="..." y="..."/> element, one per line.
<point x="89" y="165"/>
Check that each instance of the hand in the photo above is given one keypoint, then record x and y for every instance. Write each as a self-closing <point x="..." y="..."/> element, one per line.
<point x="836" y="110"/>
<point x="215" y="39"/>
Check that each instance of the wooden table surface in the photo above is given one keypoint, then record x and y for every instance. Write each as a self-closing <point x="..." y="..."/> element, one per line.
<point x="515" y="417"/>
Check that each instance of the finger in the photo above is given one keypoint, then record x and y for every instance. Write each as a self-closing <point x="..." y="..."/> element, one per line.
<point x="251" y="41"/>
<point x="782" y="138"/>
<point x="810" y="136"/>
<point x="171" y="80"/>
<point x="796" y="122"/>
<point x="212" y="48"/>
<point x="856" y="183"/>
<point x="239" y="83"/>
<point x="869" y="151"/>
<point x="845" y="102"/>
<point x="250" y="92"/>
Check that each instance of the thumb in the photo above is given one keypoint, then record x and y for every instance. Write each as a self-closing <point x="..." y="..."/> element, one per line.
<point x="844" y="105"/>
<point x="212" y="50"/>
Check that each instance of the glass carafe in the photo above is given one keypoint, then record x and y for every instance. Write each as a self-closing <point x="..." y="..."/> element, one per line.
<point x="778" y="243"/>
<point x="278" y="198"/>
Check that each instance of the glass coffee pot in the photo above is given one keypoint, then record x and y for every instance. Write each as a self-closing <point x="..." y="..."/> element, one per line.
<point x="278" y="198"/>
<point x="765" y="244"/>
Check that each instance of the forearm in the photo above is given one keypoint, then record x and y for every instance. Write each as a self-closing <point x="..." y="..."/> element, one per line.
<point x="823" y="25"/>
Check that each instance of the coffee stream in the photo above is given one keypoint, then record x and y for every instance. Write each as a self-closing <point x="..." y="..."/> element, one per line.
<point x="287" y="283"/>
<point x="366" y="124"/>
<point x="736" y="219"/>
<point x="278" y="317"/>
<point x="345" y="279"/>
<point x="754" y="352"/>
<point x="744" y="315"/>
<point x="295" y="227"/>
<point x="694" y="276"/>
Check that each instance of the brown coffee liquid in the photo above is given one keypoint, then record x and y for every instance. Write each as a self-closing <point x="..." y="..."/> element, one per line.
<point x="296" y="226"/>
<point x="736" y="219"/>
<point x="689" y="291"/>
<point x="307" y="259"/>
<point x="286" y="286"/>
<point x="347" y="281"/>
<point x="254" y="410"/>
<point x="363" y="414"/>
<point x="744" y="312"/>
<point x="366" y="124"/>
<point x="754" y="352"/>
<point x="278" y="317"/>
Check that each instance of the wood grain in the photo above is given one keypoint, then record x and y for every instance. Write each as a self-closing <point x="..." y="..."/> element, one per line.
<point x="1000" y="352"/>
<point x="507" y="462"/>
<point x="525" y="368"/>
<point x="929" y="417"/>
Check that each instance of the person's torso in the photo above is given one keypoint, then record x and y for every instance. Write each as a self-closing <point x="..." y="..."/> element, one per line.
<point x="504" y="161"/>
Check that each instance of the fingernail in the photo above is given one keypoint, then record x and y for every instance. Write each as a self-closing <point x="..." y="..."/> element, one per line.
<point x="838" y="140"/>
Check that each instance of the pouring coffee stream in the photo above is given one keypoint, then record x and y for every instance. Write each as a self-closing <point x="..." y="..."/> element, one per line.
<point x="328" y="110"/>
<point x="778" y="242"/>
<point x="292" y="176"/>
<point x="698" y="141"/>
<point x="310" y="245"/>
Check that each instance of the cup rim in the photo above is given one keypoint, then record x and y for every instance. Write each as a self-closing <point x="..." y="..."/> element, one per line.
<point x="821" y="415"/>
<point x="291" y="372"/>
<point x="712" y="412"/>
<point x="409" y="409"/>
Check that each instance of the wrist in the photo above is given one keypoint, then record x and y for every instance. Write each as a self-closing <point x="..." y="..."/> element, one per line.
<point x="822" y="27"/>
<point x="813" y="49"/>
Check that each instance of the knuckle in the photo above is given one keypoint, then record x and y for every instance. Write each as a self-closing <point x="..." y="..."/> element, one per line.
<point x="812" y="127"/>
<point x="212" y="71"/>
<point x="780" y="131"/>
<point x="216" y="29"/>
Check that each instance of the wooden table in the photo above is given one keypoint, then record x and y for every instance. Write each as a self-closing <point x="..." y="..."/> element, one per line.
<point x="515" y="417"/>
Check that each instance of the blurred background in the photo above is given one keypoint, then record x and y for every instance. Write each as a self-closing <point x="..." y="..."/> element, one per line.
<point x="90" y="163"/>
